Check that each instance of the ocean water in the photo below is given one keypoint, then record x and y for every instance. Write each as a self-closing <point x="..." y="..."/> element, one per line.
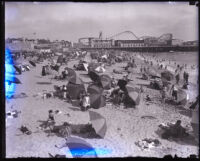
<point x="189" y="58"/>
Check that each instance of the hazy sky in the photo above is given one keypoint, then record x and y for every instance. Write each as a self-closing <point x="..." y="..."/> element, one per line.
<point x="70" y="21"/>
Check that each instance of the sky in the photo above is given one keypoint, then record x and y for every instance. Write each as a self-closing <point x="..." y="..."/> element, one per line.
<point x="71" y="21"/>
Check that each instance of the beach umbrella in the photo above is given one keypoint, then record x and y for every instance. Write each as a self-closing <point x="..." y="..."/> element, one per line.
<point x="98" y="123"/>
<point x="105" y="81"/>
<point x="10" y="80"/>
<point x="134" y="94"/>
<point x="94" y="76"/>
<point x="70" y="72"/>
<point x="75" y="80"/>
<point x="17" y="69"/>
<point x="32" y="63"/>
<point x="167" y="75"/>
<point x="181" y="97"/>
<point x="97" y="99"/>
<point x="75" y="90"/>
<point x="79" y="148"/>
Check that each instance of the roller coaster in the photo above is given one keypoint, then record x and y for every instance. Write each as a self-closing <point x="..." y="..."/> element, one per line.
<point x="164" y="37"/>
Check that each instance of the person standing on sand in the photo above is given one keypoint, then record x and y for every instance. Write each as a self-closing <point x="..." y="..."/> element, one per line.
<point x="174" y="91"/>
<point x="64" y="90"/>
<point x="177" y="78"/>
<point x="85" y="105"/>
<point x="50" y="121"/>
<point x="164" y="93"/>
<point x="186" y="77"/>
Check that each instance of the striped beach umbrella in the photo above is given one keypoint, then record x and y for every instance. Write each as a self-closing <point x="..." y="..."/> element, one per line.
<point x="98" y="123"/>
<point x="79" y="148"/>
<point x="97" y="99"/>
<point x="134" y="94"/>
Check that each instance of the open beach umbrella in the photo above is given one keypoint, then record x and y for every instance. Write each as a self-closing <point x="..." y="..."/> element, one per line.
<point x="71" y="72"/>
<point x="12" y="80"/>
<point x="97" y="99"/>
<point x="79" y="148"/>
<point x="75" y="80"/>
<point x="167" y="75"/>
<point x="181" y="97"/>
<point x="98" y="123"/>
<point x="75" y="90"/>
<point x="134" y="94"/>
<point x="32" y="63"/>
<point x="105" y="81"/>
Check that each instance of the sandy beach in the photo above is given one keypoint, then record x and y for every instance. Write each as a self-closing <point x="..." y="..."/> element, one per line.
<point x="124" y="126"/>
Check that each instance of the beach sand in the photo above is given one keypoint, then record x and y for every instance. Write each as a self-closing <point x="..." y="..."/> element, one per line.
<point x="124" y="126"/>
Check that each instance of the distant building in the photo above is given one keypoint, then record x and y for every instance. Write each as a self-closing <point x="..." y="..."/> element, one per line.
<point x="177" y="42"/>
<point x="191" y="43"/>
<point x="14" y="40"/>
<point x="129" y="43"/>
<point x="99" y="43"/>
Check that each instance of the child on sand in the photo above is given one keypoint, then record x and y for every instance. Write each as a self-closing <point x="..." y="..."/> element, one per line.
<point x="85" y="104"/>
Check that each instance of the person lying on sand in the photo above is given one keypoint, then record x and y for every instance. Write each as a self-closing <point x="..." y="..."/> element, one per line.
<point x="175" y="131"/>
